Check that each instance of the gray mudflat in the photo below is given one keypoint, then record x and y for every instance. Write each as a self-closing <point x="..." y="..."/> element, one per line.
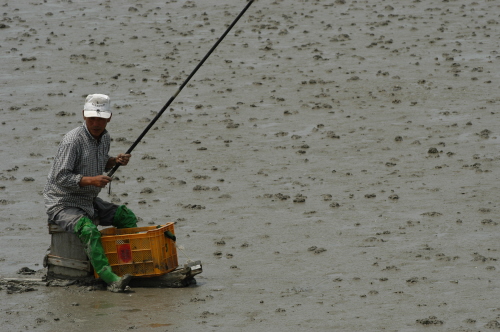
<point x="334" y="164"/>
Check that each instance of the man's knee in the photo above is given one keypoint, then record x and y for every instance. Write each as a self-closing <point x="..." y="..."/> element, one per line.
<point x="68" y="218"/>
<point x="124" y="218"/>
<point x="85" y="229"/>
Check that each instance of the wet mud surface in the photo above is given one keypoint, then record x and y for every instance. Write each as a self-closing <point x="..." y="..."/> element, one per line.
<point x="334" y="164"/>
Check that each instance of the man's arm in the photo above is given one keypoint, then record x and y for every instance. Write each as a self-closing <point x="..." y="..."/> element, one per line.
<point x="121" y="159"/>
<point x="102" y="180"/>
<point x="97" y="181"/>
<point x="65" y="162"/>
<point x="63" y="169"/>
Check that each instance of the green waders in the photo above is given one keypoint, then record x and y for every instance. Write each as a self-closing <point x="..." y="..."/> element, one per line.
<point x="90" y="236"/>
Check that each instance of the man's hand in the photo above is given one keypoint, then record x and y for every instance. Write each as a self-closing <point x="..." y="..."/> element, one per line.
<point x="97" y="181"/>
<point x="123" y="159"/>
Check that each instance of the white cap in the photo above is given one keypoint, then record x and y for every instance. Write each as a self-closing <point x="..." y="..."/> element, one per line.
<point x="97" y="106"/>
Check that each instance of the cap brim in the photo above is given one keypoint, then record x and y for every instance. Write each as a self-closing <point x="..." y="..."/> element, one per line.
<point x="95" y="114"/>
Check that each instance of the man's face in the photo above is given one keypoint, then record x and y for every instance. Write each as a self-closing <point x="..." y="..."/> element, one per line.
<point x="96" y="126"/>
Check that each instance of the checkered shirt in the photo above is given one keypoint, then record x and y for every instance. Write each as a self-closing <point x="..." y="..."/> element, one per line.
<point x="79" y="155"/>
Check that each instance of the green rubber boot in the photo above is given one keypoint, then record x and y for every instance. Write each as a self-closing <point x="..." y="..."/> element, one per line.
<point x="124" y="218"/>
<point x="90" y="236"/>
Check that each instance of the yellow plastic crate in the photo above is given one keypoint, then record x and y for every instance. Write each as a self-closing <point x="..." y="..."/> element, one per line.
<point x="140" y="251"/>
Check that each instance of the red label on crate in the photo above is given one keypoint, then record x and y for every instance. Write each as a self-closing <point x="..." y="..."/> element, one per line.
<point x="124" y="253"/>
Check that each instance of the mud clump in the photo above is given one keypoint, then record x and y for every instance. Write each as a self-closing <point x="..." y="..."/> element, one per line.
<point x="26" y="271"/>
<point x="432" y="320"/>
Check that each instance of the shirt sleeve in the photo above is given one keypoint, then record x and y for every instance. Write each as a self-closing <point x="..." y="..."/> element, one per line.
<point x="65" y="166"/>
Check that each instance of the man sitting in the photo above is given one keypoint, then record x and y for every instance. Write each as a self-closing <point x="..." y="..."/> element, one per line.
<point x="75" y="180"/>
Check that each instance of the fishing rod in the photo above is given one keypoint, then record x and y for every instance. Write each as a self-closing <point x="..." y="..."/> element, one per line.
<point x="141" y="136"/>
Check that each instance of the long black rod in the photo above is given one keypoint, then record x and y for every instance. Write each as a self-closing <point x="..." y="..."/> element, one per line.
<point x="141" y="136"/>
